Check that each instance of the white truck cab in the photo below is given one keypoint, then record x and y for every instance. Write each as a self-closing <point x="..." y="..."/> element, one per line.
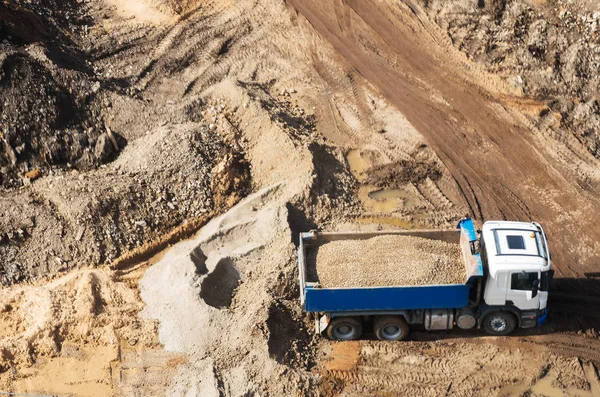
<point x="517" y="262"/>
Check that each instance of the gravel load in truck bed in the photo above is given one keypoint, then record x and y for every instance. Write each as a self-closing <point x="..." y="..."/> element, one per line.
<point x="388" y="260"/>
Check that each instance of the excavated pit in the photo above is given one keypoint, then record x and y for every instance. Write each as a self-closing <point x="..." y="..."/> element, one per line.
<point x="218" y="288"/>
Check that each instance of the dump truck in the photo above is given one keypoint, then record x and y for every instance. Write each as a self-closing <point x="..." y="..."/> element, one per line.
<point x="507" y="271"/>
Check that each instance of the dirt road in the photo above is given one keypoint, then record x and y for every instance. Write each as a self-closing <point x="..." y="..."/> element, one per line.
<point x="502" y="168"/>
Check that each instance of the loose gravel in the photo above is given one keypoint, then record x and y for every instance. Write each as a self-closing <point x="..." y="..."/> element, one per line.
<point x="386" y="261"/>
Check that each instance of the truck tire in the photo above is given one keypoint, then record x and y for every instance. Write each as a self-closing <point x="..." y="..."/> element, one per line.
<point x="344" y="328"/>
<point x="499" y="323"/>
<point x="390" y="328"/>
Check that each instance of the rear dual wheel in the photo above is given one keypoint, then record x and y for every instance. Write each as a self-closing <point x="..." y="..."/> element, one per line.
<point x="390" y="328"/>
<point x="385" y="328"/>
<point x="344" y="328"/>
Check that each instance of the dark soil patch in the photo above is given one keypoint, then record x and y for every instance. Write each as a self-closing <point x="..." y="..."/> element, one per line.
<point x="397" y="174"/>
<point x="289" y="337"/>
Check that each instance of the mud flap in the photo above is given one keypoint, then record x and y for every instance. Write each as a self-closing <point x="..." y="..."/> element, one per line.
<point x="543" y="316"/>
<point x="322" y="323"/>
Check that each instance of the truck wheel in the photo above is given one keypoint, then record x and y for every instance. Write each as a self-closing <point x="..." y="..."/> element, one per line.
<point x="390" y="328"/>
<point x="499" y="323"/>
<point x="344" y="328"/>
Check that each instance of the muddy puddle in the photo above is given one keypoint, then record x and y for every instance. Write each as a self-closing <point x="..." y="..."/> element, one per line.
<point x="377" y="200"/>
<point x="358" y="164"/>
<point x="545" y="387"/>
<point x="388" y="200"/>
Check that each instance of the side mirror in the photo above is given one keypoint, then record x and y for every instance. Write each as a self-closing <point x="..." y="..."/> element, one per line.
<point x="535" y="289"/>
<point x="474" y="246"/>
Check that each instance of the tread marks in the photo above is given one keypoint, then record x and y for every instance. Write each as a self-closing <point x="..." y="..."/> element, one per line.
<point x="433" y="194"/>
<point x="438" y="368"/>
<point x="198" y="41"/>
<point x="378" y="378"/>
<point x="362" y="110"/>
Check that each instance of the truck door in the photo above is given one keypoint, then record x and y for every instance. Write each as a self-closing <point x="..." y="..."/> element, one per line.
<point x="496" y="289"/>
<point x="520" y="293"/>
<point x="544" y="284"/>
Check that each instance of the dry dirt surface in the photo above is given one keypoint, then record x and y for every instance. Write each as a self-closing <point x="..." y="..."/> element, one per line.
<point x="454" y="368"/>
<point x="386" y="261"/>
<point x="128" y="125"/>
<point x="80" y="335"/>
<point x="503" y="167"/>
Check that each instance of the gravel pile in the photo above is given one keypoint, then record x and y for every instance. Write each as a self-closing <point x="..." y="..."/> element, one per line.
<point x="386" y="260"/>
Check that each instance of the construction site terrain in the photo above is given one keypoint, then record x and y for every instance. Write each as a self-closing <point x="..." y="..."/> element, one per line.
<point x="158" y="159"/>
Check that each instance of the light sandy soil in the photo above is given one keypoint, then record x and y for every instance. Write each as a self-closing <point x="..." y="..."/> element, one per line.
<point x="81" y="335"/>
<point x="336" y="115"/>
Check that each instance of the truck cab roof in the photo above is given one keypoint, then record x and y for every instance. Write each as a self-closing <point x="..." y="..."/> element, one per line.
<point x="515" y="246"/>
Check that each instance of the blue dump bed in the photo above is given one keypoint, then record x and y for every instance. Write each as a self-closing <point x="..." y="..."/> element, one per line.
<point x="391" y="298"/>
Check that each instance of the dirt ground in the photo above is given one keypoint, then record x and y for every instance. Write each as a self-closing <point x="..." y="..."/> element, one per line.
<point x="158" y="158"/>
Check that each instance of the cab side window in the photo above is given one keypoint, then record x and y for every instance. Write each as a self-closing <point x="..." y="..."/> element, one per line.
<point x="522" y="281"/>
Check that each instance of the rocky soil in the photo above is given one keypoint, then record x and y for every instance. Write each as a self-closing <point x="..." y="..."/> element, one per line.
<point x="549" y="50"/>
<point x="80" y="185"/>
<point x="50" y="98"/>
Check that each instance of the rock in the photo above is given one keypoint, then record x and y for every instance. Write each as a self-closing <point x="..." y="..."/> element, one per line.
<point x="33" y="174"/>
<point x="80" y="232"/>
<point x="10" y="153"/>
<point x="95" y="87"/>
<point x="575" y="64"/>
<point x="112" y="138"/>
<point x="104" y="148"/>
<point x="537" y="42"/>
<point x="28" y="223"/>
<point x="140" y="223"/>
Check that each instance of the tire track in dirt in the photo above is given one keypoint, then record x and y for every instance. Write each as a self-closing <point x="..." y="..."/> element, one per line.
<point x="466" y="366"/>
<point x="565" y="345"/>
<point x="451" y="367"/>
<point x="433" y="194"/>
<point x="496" y="163"/>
